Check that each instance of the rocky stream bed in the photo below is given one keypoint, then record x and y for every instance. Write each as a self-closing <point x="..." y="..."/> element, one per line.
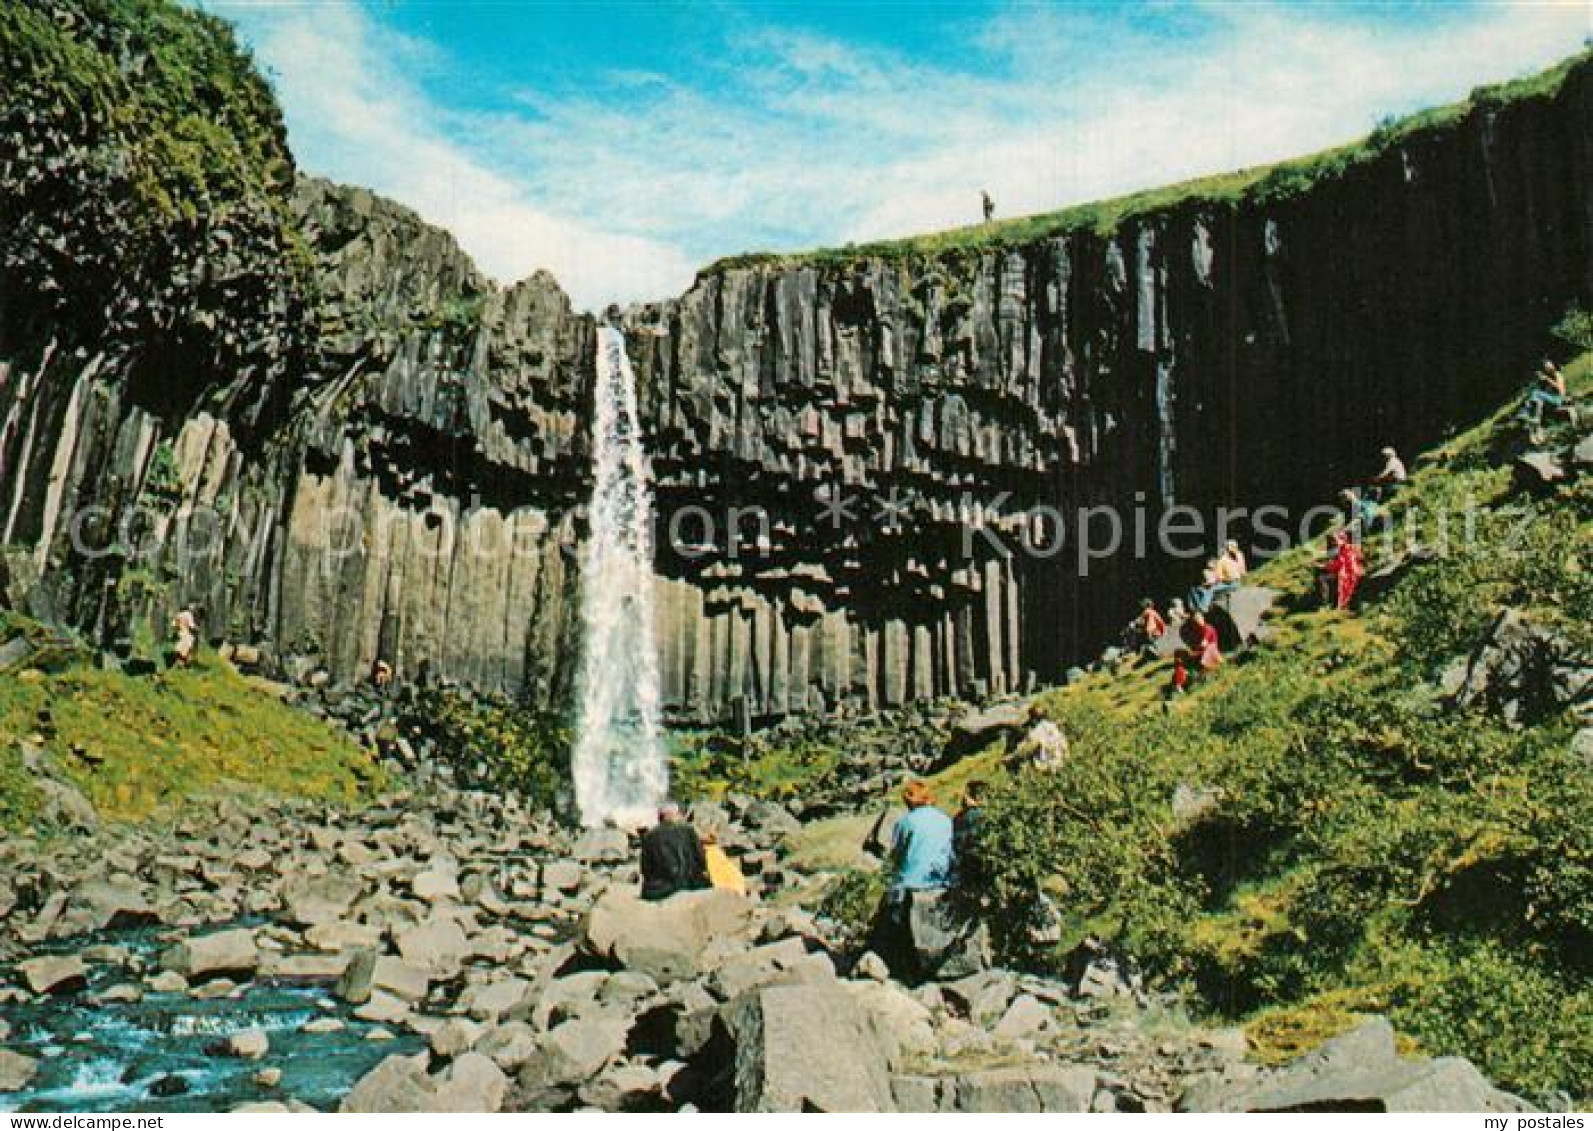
<point x="448" y="949"/>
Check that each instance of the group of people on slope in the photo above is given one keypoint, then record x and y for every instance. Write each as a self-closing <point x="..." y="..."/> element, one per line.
<point x="1199" y="649"/>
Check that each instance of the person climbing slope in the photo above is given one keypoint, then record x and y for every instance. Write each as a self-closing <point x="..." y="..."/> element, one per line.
<point x="1345" y="567"/>
<point x="1199" y="652"/>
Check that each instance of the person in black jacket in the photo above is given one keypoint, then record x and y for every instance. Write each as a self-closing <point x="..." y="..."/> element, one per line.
<point x="672" y="856"/>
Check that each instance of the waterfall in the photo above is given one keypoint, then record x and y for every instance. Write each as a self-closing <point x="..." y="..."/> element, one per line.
<point x="620" y="768"/>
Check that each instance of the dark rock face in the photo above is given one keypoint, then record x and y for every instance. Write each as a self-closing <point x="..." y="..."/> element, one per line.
<point x="1201" y="355"/>
<point x="396" y="469"/>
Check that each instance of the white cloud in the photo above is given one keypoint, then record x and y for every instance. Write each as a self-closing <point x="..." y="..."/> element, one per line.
<point x="792" y="140"/>
<point x="352" y="106"/>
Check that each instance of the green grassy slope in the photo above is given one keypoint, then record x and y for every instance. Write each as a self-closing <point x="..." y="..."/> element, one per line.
<point x="1261" y="184"/>
<point x="155" y="742"/>
<point x="1367" y="848"/>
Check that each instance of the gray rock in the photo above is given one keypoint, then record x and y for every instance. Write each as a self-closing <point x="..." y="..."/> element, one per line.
<point x="665" y="940"/>
<point x="16" y="1070"/>
<point x="807" y="1048"/>
<point x="1362" y="1071"/>
<point x="573" y="1052"/>
<point x="438" y="946"/>
<point x="354" y="986"/>
<point x="602" y="846"/>
<point x="251" y="1044"/>
<point x="1037" y="1088"/>
<point x="54" y="974"/>
<point x="231" y="952"/>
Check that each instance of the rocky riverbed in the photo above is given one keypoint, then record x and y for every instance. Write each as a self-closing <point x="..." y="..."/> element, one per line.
<point x="445" y="949"/>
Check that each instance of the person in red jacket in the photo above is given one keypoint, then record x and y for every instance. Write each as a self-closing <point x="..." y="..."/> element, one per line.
<point x="1199" y="651"/>
<point x="1346" y="567"/>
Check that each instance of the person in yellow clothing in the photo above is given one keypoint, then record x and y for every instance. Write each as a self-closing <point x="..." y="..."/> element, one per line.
<point x="722" y="871"/>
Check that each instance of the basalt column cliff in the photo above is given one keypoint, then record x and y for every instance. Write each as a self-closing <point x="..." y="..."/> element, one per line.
<point x="302" y="409"/>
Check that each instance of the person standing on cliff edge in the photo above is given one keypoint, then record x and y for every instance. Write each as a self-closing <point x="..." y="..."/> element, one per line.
<point x="988" y="204"/>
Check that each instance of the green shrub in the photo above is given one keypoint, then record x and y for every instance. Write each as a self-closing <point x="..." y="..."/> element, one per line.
<point x="493" y="743"/>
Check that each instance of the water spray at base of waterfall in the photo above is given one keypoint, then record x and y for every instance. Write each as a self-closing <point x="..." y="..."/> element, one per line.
<point x="620" y="768"/>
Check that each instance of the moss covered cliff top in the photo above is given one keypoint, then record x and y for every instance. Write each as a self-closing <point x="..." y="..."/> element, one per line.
<point x="1261" y="184"/>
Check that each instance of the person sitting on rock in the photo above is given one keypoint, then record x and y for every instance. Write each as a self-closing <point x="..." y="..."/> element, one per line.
<point x="1200" y="597"/>
<point x="965" y="832"/>
<point x="922" y="859"/>
<point x="1199" y="652"/>
<point x="672" y="856"/>
<point x="723" y="872"/>
<point x="1144" y="630"/>
<point x="921" y="845"/>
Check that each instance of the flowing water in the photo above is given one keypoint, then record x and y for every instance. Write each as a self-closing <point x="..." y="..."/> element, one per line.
<point x="153" y="1055"/>
<point x="620" y="767"/>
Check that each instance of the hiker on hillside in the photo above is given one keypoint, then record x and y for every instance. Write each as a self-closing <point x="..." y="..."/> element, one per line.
<point x="1392" y="477"/>
<point x="988" y="205"/>
<point x="1199" y="652"/>
<point x="1233" y="563"/>
<point x="1177" y="613"/>
<point x="672" y="856"/>
<point x="1144" y="630"/>
<point x="1548" y="393"/>
<point x="382" y="675"/>
<point x="186" y="625"/>
<point x="1201" y="595"/>
<point x="1344" y="569"/>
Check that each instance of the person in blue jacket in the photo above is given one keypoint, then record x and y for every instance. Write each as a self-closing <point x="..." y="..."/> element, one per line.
<point x="922" y="859"/>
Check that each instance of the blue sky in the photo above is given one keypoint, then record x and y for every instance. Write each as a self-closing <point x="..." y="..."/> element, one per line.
<point x="623" y="145"/>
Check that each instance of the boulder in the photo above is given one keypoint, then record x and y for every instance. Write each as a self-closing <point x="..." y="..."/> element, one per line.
<point x="231" y="952"/>
<point x="354" y="986"/>
<point x="401" y="978"/>
<point x="54" y="974"/>
<point x="1024" y="1088"/>
<point x="16" y="1070"/>
<point x="320" y="900"/>
<point x="807" y="1048"/>
<point x="625" y="1087"/>
<point x="1238" y="615"/>
<point x="944" y="944"/>
<point x="398" y="1083"/>
<point x="666" y="939"/>
<point x="1362" y="1071"/>
<point x="1523" y="671"/>
<point x="251" y="1044"/>
<point x="99" y="905"/>
<point x="602" y="846"/>
<point x="978" y="729"/>
<point x="1537" y="470"/>
<point x="561" y="876"/>
<point x="438" y="946"/>
<point x="472" y="1083"/>
<point x="509" y="1045"/>
<point x="574" y="1052"/>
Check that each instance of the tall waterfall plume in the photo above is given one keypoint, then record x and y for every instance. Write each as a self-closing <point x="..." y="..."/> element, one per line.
<point x="620" y="766"/>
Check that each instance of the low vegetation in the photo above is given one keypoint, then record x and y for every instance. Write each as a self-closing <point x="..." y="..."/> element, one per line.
<point x="137" y="746"/>
<point x="492" y="743"/>
<point x="1316" y="832"/>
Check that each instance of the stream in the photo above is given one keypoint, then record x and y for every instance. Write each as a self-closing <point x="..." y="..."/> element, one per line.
<point x="152" y="1055"/>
